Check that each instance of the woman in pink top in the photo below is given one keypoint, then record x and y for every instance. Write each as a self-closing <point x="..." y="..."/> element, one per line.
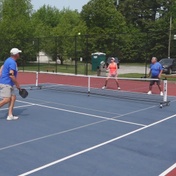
<point x="112" y="73"/>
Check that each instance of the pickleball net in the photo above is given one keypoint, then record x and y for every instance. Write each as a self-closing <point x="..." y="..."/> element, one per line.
<point x="131" y="88"/>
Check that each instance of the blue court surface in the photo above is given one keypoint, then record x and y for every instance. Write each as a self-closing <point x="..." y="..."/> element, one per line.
<point x="71" y="134"/>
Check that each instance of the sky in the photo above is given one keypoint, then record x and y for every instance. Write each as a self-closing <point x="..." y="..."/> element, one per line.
<point x="60" y="4"/>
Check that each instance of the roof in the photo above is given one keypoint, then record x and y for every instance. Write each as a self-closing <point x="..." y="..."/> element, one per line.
<point x="98" y="53"/>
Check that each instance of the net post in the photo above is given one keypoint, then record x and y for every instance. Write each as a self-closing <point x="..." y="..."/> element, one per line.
<point x="88" y="86"/>
<point x="36" y="81"/>
<point x="165" y="90"/>
<point x="165" y="100"/>
<point x="36" y="85"/>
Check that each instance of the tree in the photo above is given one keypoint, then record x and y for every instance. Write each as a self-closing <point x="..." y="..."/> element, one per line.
<point x="67" y="31"/>
<point x="140" y="13"/>
<point x="44" y="20"/>
<point x="15" y="24"/>
<point x="104" y="24"/>
<point x="1" y="3"/>
<point x="153" y="18"/>
<point x="102" y="14"/>
<point x="16" y="18"/>
<point x="173" y="41"/>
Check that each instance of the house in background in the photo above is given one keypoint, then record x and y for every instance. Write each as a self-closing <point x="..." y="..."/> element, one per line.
<point x="43" y="57"/>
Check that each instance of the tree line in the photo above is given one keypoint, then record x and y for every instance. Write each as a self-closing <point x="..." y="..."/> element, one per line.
<point x="133" y="30"/>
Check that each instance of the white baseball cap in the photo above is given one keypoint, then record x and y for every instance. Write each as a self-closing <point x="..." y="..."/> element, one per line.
<point x="15" y="51"/>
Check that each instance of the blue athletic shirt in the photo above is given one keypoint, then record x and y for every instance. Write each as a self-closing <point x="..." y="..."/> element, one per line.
<point x="155" y="69"/>
<point x="9" y="64"/>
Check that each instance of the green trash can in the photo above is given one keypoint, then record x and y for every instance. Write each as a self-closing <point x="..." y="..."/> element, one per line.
<point x="96" y="59"/>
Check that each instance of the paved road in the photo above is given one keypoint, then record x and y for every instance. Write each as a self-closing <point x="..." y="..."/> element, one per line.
<point x="128" y="69"/>
<point x="131" y="69"/>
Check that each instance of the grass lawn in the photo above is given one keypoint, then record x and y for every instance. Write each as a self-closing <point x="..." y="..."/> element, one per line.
<point x="137" y="75"/>
<point x="81" y="68"/>
<point x="131" y="75"/>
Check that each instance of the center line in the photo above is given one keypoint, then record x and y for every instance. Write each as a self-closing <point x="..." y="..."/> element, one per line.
<point x="94" y="147"/>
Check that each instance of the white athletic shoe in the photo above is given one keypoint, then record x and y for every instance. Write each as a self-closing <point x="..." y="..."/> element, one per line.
<point x="118" y="88"/>
<point x="104" y="87"/>
<point x="12" y="117"/>
<point x="161" y="93"/>
<point x="149" y="92"/>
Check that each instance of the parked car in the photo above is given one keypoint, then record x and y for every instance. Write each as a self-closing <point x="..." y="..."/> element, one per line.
<point x="169" y="65"/>
<point x="116" y="60"/>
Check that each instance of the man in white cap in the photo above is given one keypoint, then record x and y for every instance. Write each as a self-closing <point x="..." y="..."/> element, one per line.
<point x="8" y="80"/>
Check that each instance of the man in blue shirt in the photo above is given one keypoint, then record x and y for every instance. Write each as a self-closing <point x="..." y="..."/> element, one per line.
<point x="8" y="80"/>
<point x="155" y="73"/>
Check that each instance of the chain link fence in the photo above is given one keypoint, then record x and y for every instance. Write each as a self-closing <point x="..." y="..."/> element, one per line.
<point x="73" y="54"/>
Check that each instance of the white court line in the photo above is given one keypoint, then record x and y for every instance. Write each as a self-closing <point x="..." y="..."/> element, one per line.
<point x="51" y="135"/>
<point x="168" y="170"/>
<point x="129" y="113"/>
<point x="94" y="147"/>
<point x="86" y="114"/>
<point x="55" y="134"/>
<point x="17" y="107"/>
<point x="115" y="117"/>
<point x="26" y="102"/>
<point x="90" y="115"/>
<point x="78" y="107"/>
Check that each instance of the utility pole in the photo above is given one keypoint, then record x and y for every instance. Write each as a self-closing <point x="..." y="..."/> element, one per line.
<point x="170" y="37"/>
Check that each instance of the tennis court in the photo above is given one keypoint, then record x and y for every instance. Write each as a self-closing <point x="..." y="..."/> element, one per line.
<point x="67" y="132"/>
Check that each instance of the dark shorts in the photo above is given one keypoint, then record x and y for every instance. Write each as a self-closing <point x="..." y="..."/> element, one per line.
<point x="152" y="82"/>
